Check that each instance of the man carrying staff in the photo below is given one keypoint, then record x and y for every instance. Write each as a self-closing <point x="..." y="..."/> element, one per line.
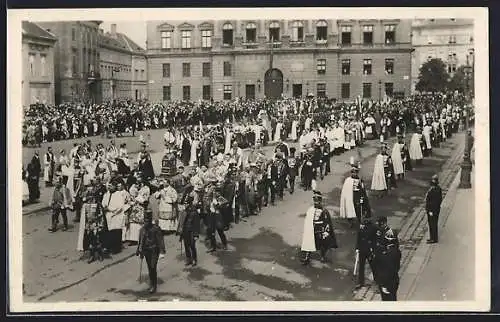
<point x="151" y="246"/>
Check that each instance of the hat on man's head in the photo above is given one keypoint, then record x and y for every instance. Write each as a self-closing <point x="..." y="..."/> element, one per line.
<point x="317" y="196"/>
<point x="435" y="179"/>
<point x="381" y="220"/>
<point x="148" y="214"/>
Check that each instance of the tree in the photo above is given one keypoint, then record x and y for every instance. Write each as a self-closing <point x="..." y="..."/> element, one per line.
<point x="433" y="76"/>
<point x="459" y="82"/>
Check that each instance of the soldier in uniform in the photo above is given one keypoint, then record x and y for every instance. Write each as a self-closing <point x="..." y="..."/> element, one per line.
<point x="380" y="244"/>
<point x="364" y="248"/>
<point x="389" y="261"/>
<point x="353" y="198"/>
<point x="189" y="227"/>
<point x="390" y="178"/>
<point x="405" y="154"/>
<point x="433" y="200"/>
<point x="318" y="231"/>
<point x="293" y="169"/>
<point x="151" y="246"/>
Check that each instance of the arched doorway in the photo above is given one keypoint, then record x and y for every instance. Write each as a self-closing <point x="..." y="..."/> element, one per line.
<point x="273" y="83"/>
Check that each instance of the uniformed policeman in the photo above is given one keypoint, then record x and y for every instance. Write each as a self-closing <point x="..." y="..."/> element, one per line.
<point x="189" y="228"/>
<point x="433" y="200"/>
<point x="307" y="171"/>
<point x="389" y="261"/>
<point x="359" y="195"/>
<point x="151" y="246"/>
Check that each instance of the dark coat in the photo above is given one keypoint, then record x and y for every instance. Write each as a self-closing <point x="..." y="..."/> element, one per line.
<point x="146" y="167"/>
<point x="326" y="225"/>
<point x="186" y="151"/>
<point x="189" y="222"/>
<point x="366" y="239"/>
<point x="151" y="238"/>
<point x="433" y="199"/>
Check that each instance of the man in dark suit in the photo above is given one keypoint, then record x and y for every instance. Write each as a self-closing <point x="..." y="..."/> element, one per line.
<point x="189" y="229"/>
<point x="433" y="200"/>
<point x="151" y="246"/>
<point x="34" y="169"/>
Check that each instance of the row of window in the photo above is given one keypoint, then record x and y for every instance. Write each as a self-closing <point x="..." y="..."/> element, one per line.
<point x="33" y="65"/>
<point x="275" y="33"/>
<point x="250" y="91"/>
<point x="321" y="68"/>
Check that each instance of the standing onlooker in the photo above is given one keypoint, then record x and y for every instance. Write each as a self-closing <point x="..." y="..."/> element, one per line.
<point x="433" y="200"/>
<point x="61" y="200"/>
<point x="34" y="170"/>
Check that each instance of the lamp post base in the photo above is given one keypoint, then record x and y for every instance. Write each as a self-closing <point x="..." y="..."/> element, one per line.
<point x="465" y="174"/>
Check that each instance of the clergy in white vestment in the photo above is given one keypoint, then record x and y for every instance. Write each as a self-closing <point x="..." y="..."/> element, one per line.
<point x="397" y="161"/>
<point x="167" y="208"/>
<point x="416" y="148"/>
<point x="427" y="132"/>
<point x="277" y="132"/>
<point x="378" y="178"/>
<point x="193" y="160"/>
<point x="227" y="140"/>
<point x="339" y="136"/>
<point x="293" y="132"/>
<point x="115" y="205"/>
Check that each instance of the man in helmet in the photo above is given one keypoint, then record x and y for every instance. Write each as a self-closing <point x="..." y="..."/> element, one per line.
<point x="318" y="233"/>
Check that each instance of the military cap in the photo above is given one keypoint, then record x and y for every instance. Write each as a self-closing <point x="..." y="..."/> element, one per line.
<point x="317" y="196"/>
<point x="148" y="213"/>
<point x="435" y="178"/>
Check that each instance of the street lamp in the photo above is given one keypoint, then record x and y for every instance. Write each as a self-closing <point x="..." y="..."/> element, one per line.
<point x="465" y="175"/>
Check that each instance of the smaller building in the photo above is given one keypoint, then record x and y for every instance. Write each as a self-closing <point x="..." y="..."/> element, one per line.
<point x="123" y="67"/>
<point x="450" y="40"/>
<point x="38" y="64"/>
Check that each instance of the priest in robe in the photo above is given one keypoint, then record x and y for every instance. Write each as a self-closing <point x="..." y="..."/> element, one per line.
<point x="397" y="161"/>
<point x="114" y="205"/>
<point x="379" y="184"/>
<point x="415" y="147"/>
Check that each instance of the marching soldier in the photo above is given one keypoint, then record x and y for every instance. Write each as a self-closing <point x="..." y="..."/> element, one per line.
<point x="389" y="262"/>
<point x="151" y="246"/>
<point x="293" y="169"/>
<point x="390" y="178"/>
<point x="405" y="154"/>
<point x="189" y="227"/>
<point x="433" y="200"/>
<point x="353" y="198"/>
<point x="364" y="249"/>
<point x="318" y="231"/>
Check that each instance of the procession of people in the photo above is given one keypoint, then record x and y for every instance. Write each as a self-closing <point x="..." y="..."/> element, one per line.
<point x="215" y="171"/>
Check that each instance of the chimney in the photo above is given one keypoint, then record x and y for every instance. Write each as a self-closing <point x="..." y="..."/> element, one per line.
<point x="113" y="29"/>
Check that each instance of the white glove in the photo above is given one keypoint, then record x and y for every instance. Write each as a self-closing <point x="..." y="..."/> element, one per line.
<point x="162" y="256"/>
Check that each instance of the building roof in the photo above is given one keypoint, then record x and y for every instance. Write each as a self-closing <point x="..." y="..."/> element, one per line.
<point x="31" y="29"/>
<point x="119" y="42"/>
<point x="442" y="22"/>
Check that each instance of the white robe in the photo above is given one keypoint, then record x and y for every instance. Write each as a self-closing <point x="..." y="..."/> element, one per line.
<point x="227" y="145"/>
<point x="117" y="206"/>
<point x="339" y="136"/>
<point x="346" y="200"/>
<point x="81" y="229"/>
<point x="277" y="132"/>
<point x="194" y="157"/>
<point x="415" y="148"/>
<point x="293" y="132"/>
<point x="426" y="132"/>
<point x="308" y="242"/>
<point x="307" y="125"/>
<point x="397" y="162"/>
<point x="378" y="178"/>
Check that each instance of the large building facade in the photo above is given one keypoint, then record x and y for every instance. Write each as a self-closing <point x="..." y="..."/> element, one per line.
<point x="77" y="74"/>
<point x="123" y="67"/>
<point x="343" y="59"/>
<point x="38" y="64"/>
<point x="450" y="40"/>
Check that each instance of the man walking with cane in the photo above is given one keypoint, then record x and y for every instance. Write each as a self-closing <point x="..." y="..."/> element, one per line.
<point x="151" y="246"/>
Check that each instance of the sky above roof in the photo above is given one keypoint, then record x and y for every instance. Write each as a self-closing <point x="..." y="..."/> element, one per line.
<point x="135" y="30"/>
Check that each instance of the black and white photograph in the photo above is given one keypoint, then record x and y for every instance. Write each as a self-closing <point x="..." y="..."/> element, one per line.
<point x="248" y="159"/>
